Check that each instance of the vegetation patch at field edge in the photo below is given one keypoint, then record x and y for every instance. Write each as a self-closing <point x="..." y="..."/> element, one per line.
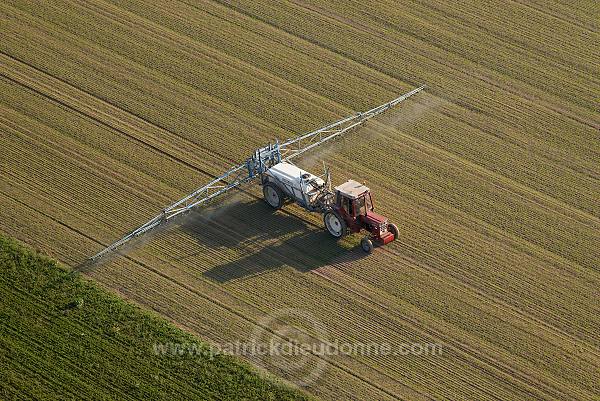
<point x="63" y="337"/>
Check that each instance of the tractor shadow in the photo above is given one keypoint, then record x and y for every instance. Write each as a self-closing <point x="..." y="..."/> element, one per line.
<point x="267" y="239"/>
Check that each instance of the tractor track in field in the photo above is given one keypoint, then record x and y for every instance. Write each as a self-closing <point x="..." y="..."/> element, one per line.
<point x="67" y="203"/>
<point x="34" y="79"/>
<point x="555" y="160"/>
<point x="495" y="85"/>
<point x="84" y="162"/>
<point x="506" y="370"/>
<point x="175" y="38"/>
<point x="60" y="223"/>
<point x="373" y="32"/>
<point x="448" y="159"/>
<point x="494" y="300"/>
<point x="446" y="273"/>
<point x="212" y="54"/>
<point x="381" y="83"/>
<point x="505" y="183"/>
<point x="554" y="15"/>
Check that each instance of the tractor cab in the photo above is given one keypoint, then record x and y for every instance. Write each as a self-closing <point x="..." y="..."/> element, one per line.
<point x="353" y="212"/>
<point x="353" y="199"/>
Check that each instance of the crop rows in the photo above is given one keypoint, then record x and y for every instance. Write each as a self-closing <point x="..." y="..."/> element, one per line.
<point x="112" y="109"/>
<point x="63" y="337"/>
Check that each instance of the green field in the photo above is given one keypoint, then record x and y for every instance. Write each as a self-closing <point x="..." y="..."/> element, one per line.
<point x="111" y="110"/>
<point x="63" y="337"/>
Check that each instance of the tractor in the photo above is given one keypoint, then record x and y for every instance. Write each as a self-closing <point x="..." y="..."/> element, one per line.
<point x="348" y="209"/>
<point x="353" y="212"/>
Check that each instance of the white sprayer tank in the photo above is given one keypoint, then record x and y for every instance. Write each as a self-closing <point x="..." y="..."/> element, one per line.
<point x="300" y="185"/>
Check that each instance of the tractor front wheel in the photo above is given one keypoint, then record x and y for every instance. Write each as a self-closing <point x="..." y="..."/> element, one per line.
<point x="273" y="195"/>
<point x="394" y="230"/>
<point x="366" y="244"/>
<point x="335" y="224"/>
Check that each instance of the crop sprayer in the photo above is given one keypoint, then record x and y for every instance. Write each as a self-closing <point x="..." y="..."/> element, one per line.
<point x="347" y="208"/>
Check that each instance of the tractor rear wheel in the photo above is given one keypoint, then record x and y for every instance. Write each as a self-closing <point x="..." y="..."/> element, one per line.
<point x="366" y="244"/>
<point x="394" y="230"/>
<point x="335" y="224"/>
<point x="273" y="195"/>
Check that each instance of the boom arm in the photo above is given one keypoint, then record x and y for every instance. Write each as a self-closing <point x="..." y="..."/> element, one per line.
<point x="263" y="159"/>
<point x="231" y="179"/>
<point x="296" y="146"/>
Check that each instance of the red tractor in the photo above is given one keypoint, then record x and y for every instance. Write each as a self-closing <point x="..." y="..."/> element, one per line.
<point x="352" y="212"/>
<point x="348" y="209"/>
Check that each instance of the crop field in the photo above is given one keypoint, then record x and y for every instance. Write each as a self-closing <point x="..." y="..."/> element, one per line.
<point x="111" y="110"/>
<point x="64" y="338"/>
